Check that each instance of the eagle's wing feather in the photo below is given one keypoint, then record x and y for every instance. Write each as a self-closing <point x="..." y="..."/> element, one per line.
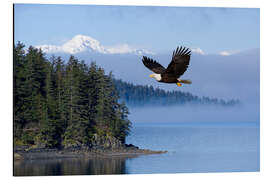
<point x="153" y="65"/>
<point x="180" y="62"/>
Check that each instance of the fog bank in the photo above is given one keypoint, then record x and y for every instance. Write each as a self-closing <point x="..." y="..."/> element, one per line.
<point x="196" y="114"/>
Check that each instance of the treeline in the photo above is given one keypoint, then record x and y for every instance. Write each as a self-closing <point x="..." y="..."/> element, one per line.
<point x="58" y="104"/>
<point x="143" y="95"/>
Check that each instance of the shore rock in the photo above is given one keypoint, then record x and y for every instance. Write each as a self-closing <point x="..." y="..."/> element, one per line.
<point x="106" y="142"/>
<point x="17" y="156"/>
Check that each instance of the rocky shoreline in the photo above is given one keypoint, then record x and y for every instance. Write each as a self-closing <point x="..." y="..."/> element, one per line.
<point x="100" y="146"/>
<point x="33" y="153"/>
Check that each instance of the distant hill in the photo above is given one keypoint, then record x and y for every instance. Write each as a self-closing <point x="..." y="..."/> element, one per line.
<point x="143" y="95"/>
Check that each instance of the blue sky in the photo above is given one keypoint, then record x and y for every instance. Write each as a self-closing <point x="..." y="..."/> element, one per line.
<point x="158" y="29"/>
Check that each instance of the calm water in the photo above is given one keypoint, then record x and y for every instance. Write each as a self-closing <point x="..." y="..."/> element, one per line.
<point x="196" y="148"/>
<point x="191" y="148"/>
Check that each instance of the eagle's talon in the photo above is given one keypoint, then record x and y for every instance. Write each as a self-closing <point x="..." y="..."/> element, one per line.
<point x="178" y="84"/>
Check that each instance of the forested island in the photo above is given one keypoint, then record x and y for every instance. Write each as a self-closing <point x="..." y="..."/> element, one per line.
<point x="59" y="104"/>
<point x="74" y="105"/>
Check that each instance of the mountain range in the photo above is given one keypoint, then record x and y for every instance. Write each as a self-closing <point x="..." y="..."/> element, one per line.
<point x="81" y="43"/>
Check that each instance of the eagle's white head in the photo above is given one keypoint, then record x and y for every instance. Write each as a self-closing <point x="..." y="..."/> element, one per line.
<point x="156" y="76"/>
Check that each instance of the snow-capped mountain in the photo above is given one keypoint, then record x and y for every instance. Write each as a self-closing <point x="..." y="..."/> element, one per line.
<point x="81" y="43"/>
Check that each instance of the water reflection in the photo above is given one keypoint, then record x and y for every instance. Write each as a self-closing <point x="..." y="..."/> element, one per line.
<point x="71" y="166"/>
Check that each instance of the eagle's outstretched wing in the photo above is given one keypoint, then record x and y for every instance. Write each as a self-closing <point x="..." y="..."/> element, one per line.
<point x="180" y="62"/>
<point x="153" y="65"/>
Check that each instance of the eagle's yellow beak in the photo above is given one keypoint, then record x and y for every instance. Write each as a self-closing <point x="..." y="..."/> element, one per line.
<point x="151" y="75"/>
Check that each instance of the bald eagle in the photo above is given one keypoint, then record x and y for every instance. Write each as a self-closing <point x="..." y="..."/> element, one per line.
<point x="177" y="67"/>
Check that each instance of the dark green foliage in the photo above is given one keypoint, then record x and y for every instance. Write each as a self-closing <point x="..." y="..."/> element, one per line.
<point x="18" y="88"/>
<point x="120" y="127"/>
<point x="58" y="104"/>
<point x="139" y="95"/>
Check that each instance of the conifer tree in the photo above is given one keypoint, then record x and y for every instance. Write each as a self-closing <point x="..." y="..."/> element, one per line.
<point x="50" y="135"/>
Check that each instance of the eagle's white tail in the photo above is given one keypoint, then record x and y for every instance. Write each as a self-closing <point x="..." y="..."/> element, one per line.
<point x="185" y="81"/>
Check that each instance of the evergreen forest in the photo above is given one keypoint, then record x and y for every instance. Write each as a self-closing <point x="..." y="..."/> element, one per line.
<point x="143" y="95"/>
<point x="57" y="103"/>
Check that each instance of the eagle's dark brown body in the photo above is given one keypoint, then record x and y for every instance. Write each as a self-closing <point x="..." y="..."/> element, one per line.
<point x="176" y="68"/>
<point x="168" y="78"/>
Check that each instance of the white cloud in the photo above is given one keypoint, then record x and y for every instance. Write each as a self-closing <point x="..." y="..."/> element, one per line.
<point x="225" y="53"/>
<point x="81" y="43"/>
<point x="198" y="50"/>
<point x="122" y="48"/>
<point x="221" y="53"/>
<point x="228" y="53"/>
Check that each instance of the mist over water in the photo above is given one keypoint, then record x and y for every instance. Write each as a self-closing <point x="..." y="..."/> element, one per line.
<point x="198" y="138"/>
<point x="196" y="114"/>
